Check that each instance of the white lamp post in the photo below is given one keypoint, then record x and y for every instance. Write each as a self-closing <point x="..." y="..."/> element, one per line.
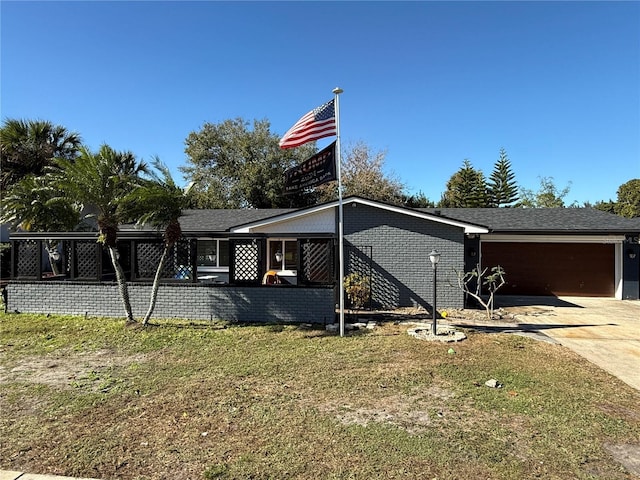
<point x="434" y="257"/>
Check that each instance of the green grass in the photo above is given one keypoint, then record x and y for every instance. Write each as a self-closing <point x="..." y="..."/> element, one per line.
<point x="91" y="397"/>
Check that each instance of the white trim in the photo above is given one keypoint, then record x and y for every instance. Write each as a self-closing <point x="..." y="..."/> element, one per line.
<point x="468" y="228"/>
<point x="425" y="216"/>
<point x="619" y="258"/>
<point x="323" y="221"/>
<point x="248" y="228"/>
<point x="512" y="238"/>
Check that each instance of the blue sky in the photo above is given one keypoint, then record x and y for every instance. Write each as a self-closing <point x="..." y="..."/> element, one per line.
<point x="431" y="83"/>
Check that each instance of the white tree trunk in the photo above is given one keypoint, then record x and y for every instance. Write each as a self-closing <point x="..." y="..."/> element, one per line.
<point x="156" y="285"/>
<point x="122" y="284"/>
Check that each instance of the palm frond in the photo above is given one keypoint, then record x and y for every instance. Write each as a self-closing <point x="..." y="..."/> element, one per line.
<point x="32" y="204"/>
<point x="158" y="201"/>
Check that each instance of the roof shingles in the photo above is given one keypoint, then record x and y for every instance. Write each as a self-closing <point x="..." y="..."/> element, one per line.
<point x="497" y="220"/>
<point x="223" y="220"/>
<point x="543" y="220"/>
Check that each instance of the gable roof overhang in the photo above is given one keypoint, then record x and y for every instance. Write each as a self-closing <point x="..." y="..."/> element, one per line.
<point x="545" y="221"/>
<point x="469" y="228"/>
<point x="549" y="238"/>
<point x="496" y="223"/>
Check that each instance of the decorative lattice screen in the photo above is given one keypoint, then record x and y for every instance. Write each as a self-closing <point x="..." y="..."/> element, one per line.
<point x="148" y="255"/>
<point x="246" y="261"/>
<point x="27" y="258"/>
<point x="177" y="265"/>
<point x="181" y="254"/>
<point x="86" y="259"/>
<point x="317" y="261"/>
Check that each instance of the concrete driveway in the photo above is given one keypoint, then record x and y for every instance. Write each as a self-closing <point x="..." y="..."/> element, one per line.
<point x="605" y="331"/>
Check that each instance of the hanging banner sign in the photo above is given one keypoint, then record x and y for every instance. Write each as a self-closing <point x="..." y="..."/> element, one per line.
<point x="318" y="169"/>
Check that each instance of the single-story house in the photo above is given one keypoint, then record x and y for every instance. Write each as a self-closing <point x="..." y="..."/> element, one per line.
<point x="227" y="261"/>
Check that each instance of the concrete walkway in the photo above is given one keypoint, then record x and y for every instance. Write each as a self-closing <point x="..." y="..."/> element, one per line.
<point x="605" y="331"/>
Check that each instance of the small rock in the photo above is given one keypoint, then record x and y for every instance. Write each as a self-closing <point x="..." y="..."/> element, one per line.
<point x="332" y="327"/>
<point x="493" y="383"/>
<point x="371" y="325"/>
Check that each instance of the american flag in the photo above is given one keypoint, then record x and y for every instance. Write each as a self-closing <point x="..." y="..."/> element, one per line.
<point x="318" y="123"/>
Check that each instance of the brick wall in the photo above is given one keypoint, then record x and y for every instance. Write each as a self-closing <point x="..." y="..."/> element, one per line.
<point x="237" y="304"/>
<point x="402" y="275"/>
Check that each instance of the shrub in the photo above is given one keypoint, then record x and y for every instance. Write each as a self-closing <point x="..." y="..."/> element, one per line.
<point x="358" y="289"/>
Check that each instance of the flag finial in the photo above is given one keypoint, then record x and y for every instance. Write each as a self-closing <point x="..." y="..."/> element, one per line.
<point x="337" y="90"/>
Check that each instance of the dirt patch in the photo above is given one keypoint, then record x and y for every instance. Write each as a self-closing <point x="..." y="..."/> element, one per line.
<point x="510" y="314"/>
<point x="506" y="314"/>
<point x="67" y="369"/>
<point x="628" y="455"/>
<point x="413" y="413"/>
<point x="627" y="414"/>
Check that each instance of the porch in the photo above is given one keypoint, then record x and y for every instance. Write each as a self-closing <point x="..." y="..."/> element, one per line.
<point x="205" y="278"/>
<point x="239" y="260"/>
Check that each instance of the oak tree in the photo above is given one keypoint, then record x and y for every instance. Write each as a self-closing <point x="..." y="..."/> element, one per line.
<point x="233" y="164"/>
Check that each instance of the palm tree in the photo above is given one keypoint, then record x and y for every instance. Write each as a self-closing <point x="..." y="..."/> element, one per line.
<point x="100" y="182"/>
<point x="28" y="146"/>
<point x="158" y="202"/>
<point x="33" y="204"/>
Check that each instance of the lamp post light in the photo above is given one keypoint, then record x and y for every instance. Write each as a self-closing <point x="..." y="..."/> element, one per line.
<point x="434" y="257"/>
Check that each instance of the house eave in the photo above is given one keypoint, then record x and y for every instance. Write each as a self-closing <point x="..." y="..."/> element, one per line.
<point x="564" y="237"/>
<point x="248" y="227"/>
<point x="467" y="227"/>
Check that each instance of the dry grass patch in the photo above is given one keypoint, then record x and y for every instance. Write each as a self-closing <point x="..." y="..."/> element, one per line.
<point x="68" y="369"/>
<point x="89" y="397"/>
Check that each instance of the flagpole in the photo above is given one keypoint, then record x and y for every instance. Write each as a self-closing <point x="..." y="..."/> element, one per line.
<point x="337" y="91"/>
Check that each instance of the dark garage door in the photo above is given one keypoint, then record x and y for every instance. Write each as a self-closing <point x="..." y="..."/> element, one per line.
<point x="578" y="269"/>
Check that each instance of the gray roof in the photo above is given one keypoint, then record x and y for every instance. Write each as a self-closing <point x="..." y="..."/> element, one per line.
<point x="212" y="221"/>
<point x="542" y="220"/>
<point x="497" y="220"/>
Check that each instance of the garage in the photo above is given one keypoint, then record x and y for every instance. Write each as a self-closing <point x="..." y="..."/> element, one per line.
<point x="572" y="269"/>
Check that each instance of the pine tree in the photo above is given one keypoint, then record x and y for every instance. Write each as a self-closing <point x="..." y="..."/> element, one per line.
<point x="502" y="187"/>
<point x="466" y="188"/>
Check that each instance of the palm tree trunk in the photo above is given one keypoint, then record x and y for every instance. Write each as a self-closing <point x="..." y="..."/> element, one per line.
<point x="51" y="248"/>
<point x="54" y="265"/>
<point x="156" y="284"/>
<point x="122" y="285"/>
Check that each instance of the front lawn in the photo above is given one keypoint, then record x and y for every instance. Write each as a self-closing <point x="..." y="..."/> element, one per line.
<point x="90" y="397"/>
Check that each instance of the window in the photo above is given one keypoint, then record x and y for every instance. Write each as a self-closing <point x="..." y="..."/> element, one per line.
<point x="213" y="253"/>
<point x="283" y="254"/>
